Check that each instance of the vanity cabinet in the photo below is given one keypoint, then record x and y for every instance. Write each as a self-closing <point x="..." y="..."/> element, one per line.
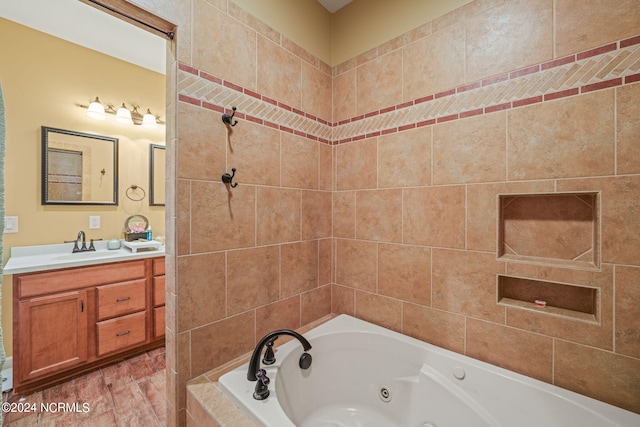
<point x="73" y="320"/>
<point x="53" y="334"/>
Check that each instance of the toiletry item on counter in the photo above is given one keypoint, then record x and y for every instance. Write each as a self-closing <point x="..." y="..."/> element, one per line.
<point x="149" y="234"/>
<point x="113" y="244"/>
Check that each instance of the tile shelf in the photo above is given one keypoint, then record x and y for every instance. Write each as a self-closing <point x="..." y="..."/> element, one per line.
<point x="555" y="229"/>
<point x="572" y="301"/>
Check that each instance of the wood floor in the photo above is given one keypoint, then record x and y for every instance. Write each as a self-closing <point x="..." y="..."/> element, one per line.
<point x="127" y="394"/>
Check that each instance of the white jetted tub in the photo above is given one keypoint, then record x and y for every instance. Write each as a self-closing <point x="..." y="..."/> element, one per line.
<point x="364" y="375"/>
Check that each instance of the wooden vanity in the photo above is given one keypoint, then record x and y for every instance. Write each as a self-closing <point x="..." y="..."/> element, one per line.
<point x="67" y="321"/>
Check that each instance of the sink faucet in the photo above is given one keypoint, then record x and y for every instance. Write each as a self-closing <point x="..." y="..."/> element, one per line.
<point x="256" y="374"/>
<point x="83" y="248"/>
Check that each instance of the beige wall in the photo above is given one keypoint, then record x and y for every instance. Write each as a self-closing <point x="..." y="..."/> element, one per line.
<point x="307" y="23"/>
<point x="43" y="80"/>
<point x="364" y="24"/>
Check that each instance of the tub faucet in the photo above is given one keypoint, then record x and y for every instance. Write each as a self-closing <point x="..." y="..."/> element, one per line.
<point x="260" y="375"/>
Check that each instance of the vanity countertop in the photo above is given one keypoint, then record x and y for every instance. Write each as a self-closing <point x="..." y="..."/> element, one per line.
<point x="29" y="259"/>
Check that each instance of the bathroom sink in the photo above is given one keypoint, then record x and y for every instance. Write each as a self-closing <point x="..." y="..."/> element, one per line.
<point x="78" y="256"/>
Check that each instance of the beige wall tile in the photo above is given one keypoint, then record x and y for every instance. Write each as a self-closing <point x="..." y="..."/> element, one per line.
<point x="183" y="220"/>
<point x="434" y="63"/>
<point x="434" y="216"/>
<point x="254" y="151"/>
<point x="404" y="158"/>
<point x="513" y="349"/>
<point x="343" y="300"/>
<point x="316" y="214"/>
<point x="598" y="334"/>
<point x="620" y="221"/>
<point x="482" y="210"/>
<point x="465" y="282"/>
<point x="628" y="129"/>
<point x="570" y="137"/>
<point x="582" y="25"/>
<point x="588" y="371"/>
<point x="524" y="36"/>
<point x="325" y="173"/>
<point x="215" y="43"/>
<point x="356" y="165"/>
<point x="299" y="267"/>
<point x="253" y="278"/>
<point x="470" y="150"/>
<point x="201" y="150"/>
<point x="325" y="261"/>
<point x="284" y="314"/>
<point x="380" y="310"/>
<point x="280" y="75"/>
<point x="315" y="304"/>
<point x="379" y="83"/>
<point x="201" y="290"/>
<point x="316" y="92"/>
<point x="278" y="215"/>
<point x="437" y="327"/>
<point x="379" y="215"/>
<point x="221" y="219"/>
<point x="344" y="89"/>
<point x="404" y="272"/>
<point x="627" y="311"/>
<point x="356" y="264"/>
<point x="217" y="343"/>
<point x="344" y="214"/>
<point x="299" y="161"/>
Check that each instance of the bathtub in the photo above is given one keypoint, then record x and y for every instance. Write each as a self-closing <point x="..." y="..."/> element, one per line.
<point x="366" y="375"/>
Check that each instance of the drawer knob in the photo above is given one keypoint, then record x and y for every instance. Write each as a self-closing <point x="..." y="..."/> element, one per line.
<point x="123" y="299"/>
<point x="121" y="334"/>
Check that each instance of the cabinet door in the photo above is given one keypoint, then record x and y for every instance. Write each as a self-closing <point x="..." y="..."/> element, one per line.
<point x="52" y="333"/>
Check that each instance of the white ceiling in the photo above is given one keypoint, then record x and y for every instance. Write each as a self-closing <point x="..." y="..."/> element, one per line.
<point x="334" y="5"/>
<point x="87" y="26"/>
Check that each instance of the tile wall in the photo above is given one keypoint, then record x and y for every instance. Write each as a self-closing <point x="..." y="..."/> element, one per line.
<point x="371" y="188"/>
<point x="498" y="97"/>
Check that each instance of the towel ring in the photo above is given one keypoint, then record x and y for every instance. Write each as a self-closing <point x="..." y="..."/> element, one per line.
<point x="134" y="188"/>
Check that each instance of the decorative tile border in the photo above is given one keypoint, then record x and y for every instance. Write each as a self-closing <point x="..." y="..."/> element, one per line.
<point x="607" y="66"/>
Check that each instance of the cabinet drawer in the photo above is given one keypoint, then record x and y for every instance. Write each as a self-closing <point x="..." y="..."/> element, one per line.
<point x="158" y="266"/>
<point x="32" y="284"/>
<point x="120" y="298"/>
<point x="121" y="333"/>
<point x="158" y="291"/>
<point x="158" y="322"/>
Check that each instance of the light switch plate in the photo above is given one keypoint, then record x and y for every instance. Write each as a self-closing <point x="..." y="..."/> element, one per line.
<point x="94" y="222"/>
<point x="10" y="224"/>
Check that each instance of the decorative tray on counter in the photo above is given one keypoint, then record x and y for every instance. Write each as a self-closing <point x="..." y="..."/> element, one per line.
<point x="142" y="244"/>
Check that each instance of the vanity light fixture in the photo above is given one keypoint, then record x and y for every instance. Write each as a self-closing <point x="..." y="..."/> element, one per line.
<point x="97" y="110"/>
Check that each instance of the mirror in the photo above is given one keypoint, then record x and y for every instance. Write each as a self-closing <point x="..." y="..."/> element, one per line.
<point x="156" y="175"/>
<point x="78" y="168"/>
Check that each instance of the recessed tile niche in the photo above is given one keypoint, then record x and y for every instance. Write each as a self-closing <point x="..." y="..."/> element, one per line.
<point x="565" y="300"/>
<point x="559" y="229"/>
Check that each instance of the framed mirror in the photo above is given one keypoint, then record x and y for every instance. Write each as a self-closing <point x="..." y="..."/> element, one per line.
<point x="78" y="168"/>
<point x="156" y="174"/>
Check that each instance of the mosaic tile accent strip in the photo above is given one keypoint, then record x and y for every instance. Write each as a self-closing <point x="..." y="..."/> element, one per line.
<point x="607" y="66"/>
